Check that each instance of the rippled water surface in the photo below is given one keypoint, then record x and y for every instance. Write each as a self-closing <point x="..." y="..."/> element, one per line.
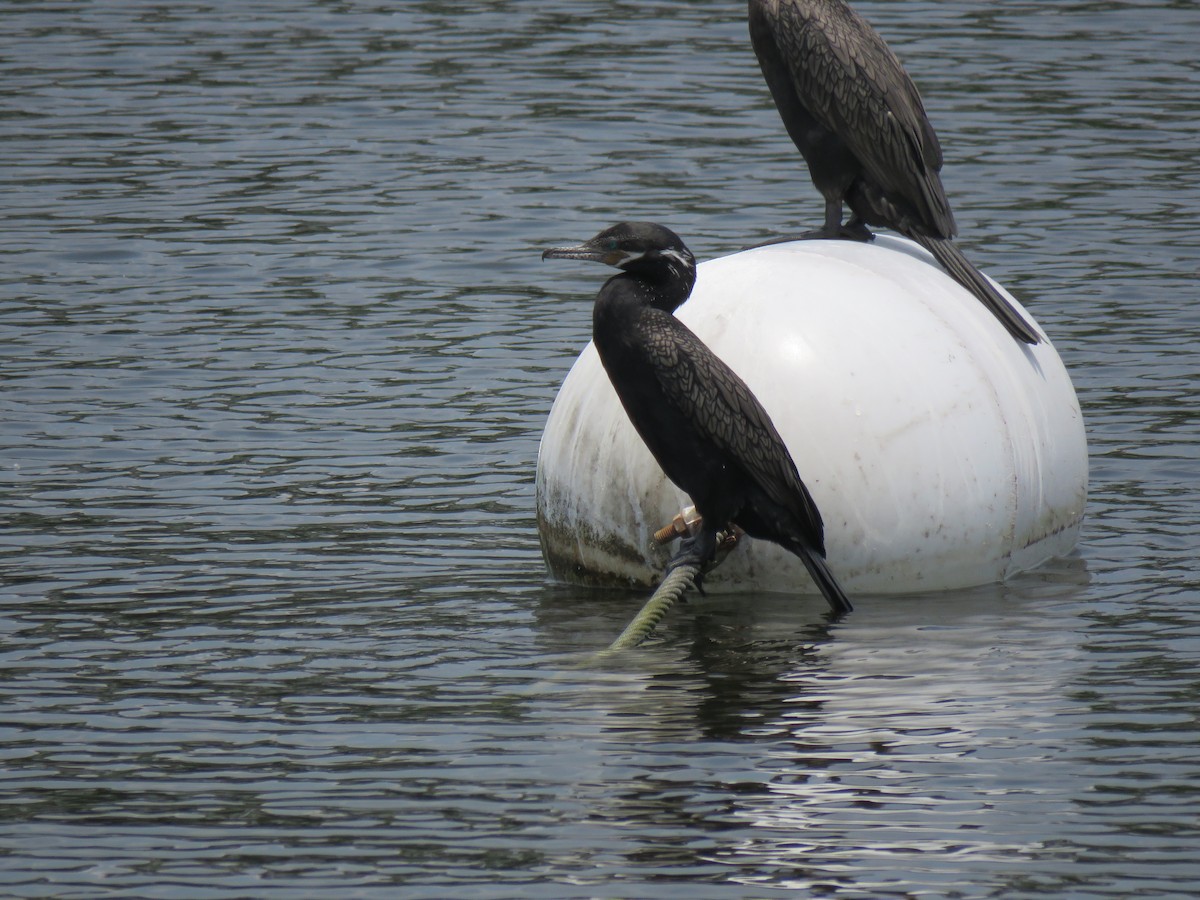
<point x="277" y="350"/>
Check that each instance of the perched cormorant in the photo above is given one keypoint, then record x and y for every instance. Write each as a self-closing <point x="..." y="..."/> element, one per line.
<point x="705" y="428"/>
<point x="858" y="119"/>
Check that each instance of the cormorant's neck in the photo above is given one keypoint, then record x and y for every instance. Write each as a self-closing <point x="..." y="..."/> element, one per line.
<point x="665" y="287"/>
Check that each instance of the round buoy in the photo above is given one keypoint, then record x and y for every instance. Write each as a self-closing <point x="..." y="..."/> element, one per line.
<point x="941" y="452"/>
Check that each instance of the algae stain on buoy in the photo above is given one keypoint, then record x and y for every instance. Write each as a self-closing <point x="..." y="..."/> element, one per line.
<point x="940" y="452"/>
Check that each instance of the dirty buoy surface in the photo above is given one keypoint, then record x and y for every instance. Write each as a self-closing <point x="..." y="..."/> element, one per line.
<point x="941" y="452"/>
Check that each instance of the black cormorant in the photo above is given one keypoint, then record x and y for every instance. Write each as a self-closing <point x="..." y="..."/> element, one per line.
<point x="702" y="424"/>
<point x="858" y="119"/>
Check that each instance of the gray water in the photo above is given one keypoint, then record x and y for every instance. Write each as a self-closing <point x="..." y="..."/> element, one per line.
<point x="277" y="351"/>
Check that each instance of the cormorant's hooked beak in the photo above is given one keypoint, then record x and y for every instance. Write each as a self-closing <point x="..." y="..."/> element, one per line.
<point x="587" y="251"/>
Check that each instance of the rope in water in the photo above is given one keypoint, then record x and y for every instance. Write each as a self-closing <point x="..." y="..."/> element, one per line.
<point x="674" y="585"/>
<point x="672" y="588"/>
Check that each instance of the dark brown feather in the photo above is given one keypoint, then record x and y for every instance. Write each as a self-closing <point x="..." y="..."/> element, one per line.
<point x="854" y="85"/>
<point x="859" y="121"/>
<point x="726" y="415"/>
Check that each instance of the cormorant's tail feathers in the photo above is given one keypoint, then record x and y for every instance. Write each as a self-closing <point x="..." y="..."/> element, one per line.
<point x="830" y="589"/>
<point x="959" y="268"/>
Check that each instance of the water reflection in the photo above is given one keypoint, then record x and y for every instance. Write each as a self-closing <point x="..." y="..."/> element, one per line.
<point x="882" y="732"/>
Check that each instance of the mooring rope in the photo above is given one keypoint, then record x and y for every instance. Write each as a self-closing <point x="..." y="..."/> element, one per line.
<point x="672" y="588"/>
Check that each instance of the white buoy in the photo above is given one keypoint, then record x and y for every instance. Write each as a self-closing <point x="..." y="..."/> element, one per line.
<point x="941" y="452"/>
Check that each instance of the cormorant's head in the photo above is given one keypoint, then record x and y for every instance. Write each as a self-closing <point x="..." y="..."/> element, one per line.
<point x="641" y="248"/>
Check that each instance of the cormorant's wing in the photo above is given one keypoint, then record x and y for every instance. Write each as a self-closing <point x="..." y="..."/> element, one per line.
<point x="722" y="409"/>
<point x="848" y="78"/>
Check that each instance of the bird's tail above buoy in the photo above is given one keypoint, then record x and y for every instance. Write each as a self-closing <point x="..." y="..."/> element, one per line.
<point x="959" y="268"/>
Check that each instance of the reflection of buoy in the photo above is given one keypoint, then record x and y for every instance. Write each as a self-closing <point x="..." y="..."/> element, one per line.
<point x="940" y="452"/>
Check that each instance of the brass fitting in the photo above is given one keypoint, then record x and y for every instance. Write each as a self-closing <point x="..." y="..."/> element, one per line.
<point x="685" y="523"/>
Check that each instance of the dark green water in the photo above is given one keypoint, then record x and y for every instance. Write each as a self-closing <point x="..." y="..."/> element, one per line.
<point x="277" y="348"/>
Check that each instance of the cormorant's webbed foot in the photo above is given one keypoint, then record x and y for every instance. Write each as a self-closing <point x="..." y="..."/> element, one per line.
<point x="848" y="232"/>
<point x="697" y="551"/>
<point x="833" y="229"/>
<point x="851" y="231"/>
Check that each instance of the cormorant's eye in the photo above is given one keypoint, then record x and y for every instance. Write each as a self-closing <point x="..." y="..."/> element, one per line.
<point x="611" y="243"/>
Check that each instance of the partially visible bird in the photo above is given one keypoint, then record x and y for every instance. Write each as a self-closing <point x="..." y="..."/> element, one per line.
<point x="858" y="119"/>
<point x="702" y="424"/>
